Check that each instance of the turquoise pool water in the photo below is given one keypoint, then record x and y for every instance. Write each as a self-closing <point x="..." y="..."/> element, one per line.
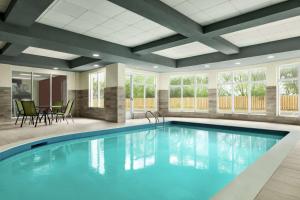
<point x="172" y="162"/>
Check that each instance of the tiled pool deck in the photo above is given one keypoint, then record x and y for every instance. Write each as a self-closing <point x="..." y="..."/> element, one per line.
<point x="283" y="184"/>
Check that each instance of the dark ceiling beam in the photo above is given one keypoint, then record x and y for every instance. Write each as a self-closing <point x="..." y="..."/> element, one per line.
<point x="22" y="13"/>
<point x="77" y="62"/>
<point x="165" y="43"/>
<point x="47" y="37"/>
<point x="35" y="61"/>
<point x="166" y="16"/>
<point x="12" y="49"/>
<point x="262" y="16"/>
<point x="280" y="46"/>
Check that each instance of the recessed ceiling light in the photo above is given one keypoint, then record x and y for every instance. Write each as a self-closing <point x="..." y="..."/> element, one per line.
<point x="155" y="67"/>
<point x="55" y="68"/>
<point x="237" y="63"/>
<point x="96" y="54"/>
<point x="270" y="57"/>
<point x="207" y="66"/>
<point x="96" y="65"/>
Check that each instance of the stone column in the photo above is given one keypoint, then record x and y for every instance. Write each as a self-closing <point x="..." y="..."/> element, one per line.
<point x="5" y="93"/>
<point x="212" y="101"/>
<point x="114" y="93"/>
<point x="163" y="97"/>
<point x="271" y="101"/>
<point x="5" y="104"/>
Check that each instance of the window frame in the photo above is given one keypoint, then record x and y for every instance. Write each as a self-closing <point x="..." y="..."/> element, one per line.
<point x="233" y="84"/>
<point x="90" y="89"/>
<point x="144" y="84"/>
<point x="279" y="80"/>
<point x="181" y="86"/>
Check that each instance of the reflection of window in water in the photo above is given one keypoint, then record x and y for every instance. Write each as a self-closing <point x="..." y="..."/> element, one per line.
<point x="188" y="148"/>
<point x="140" y="150"/>
<point x="236" y="152"/>
<point x="97" y="155"/>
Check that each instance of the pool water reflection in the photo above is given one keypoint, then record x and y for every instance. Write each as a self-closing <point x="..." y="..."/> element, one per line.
<point x="172" y="162"/>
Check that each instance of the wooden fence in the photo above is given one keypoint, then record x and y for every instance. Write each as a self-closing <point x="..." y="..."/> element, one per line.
<point x="189" y="102"/>
<point x="138" y="103"/>
<point x="287" y="103"/>
<point x="241" y="103"/>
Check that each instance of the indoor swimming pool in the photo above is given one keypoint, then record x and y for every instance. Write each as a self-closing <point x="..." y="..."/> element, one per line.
<point x="174" y="161"/>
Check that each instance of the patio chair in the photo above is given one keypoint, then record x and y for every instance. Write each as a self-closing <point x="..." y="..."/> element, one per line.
<point x="57" y="107"/>
<point x="20" y="111"/>
<point x="31" y="111"/>
<point x="67" y="112"/>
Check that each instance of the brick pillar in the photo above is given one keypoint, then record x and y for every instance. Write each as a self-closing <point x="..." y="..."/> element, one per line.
<point x="163" y="104"/>
<point x="271" y="101"/>
<point x="212" y="101"/>
<point x="5" y="104"/>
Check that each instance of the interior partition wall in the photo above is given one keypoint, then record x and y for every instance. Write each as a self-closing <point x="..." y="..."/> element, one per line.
<point x="44" y="89"/>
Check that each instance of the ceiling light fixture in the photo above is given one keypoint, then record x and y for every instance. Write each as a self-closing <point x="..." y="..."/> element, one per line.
<point x="96" y="65"/>
<point x="55" y="68"/>
<point x="207" y="66"/>
<point x="96" y="55"/>
<point x="237" y="63"/>
<point x="35" y="75"/>
<point x="270" y="57"/>
<point x="155" y="67"/>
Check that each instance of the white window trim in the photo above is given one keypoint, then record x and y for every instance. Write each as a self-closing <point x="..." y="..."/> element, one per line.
<point x="249" y="84"/>
<point x="181" y="86"/>
<point x="132" y="75"/>
<point x="279" y="80"/>
<point x="98" y="75"/>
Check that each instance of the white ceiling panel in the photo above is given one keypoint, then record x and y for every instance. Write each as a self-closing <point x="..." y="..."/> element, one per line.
<point x="3" y="5"/>
<point x="49" y="53"/>
<point x="279" y="30"/>
<point x="104" y="20"/>
<point x="209" y="11"/>
<point x="186" y="50"/>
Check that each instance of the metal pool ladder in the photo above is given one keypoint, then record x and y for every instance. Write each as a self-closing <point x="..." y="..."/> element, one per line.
<point x="155" y="115"/>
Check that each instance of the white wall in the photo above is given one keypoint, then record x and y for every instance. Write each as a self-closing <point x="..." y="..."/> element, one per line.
<point x="5" y="75"/>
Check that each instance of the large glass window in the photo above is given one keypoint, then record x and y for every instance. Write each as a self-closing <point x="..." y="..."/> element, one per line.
<point x="140" y="92"/>
<point x="288" y="90"/>
<point x="41" y="89"/>
<point x="188" y="93"/>
<point x="242" y="91"/>
<point x="21" y="88"/>
<point x="44" y="89"/>
<point x="59" y="88"/>
<point x="225" y="91"/>
<point x="96" y="89"/>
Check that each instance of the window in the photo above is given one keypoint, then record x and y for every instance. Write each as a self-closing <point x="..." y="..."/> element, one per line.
<point x="188" y="93"/>
<point x="242" y="91"/>
<point x="96" y="89"/>
<point x="44" y="89"/>
<point x="288" y="90"/>
<point x="142" y="88"/>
